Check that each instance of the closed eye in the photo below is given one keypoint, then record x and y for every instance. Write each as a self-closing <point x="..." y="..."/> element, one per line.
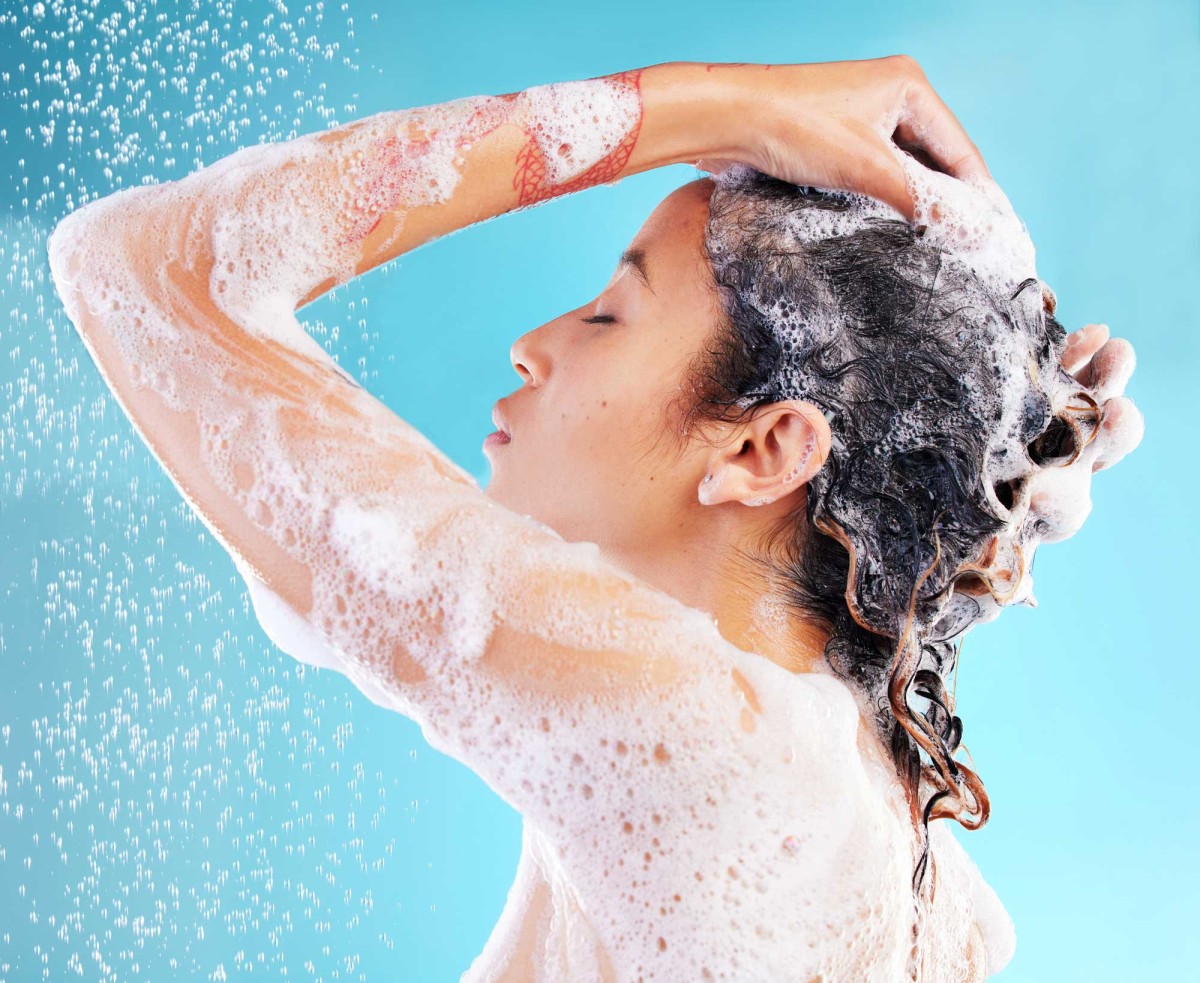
<point x="600" y="319"/>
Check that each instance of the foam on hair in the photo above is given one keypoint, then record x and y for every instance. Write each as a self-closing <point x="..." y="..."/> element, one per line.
<point x="933" y="351"/>
<point x="974" y="225"/>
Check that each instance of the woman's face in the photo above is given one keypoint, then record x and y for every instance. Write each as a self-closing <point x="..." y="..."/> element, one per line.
<point x="593" y="452"/>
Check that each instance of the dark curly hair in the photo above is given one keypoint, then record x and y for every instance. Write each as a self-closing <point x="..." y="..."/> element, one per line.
<point x="939" y="395"/>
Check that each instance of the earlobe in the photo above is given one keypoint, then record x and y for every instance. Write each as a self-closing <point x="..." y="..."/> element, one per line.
<point x="711" y="492"/>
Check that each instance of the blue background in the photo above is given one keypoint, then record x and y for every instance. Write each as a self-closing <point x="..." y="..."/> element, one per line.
<point x="178" y="799"/>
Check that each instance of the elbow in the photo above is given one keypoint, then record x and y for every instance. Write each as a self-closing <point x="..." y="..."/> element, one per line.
<point x="73" y="250"/>
<point x="995" y="928"/>
<point x="62" y="249"/>
<point x="67" y="263"/>
<point x="75" y="234"/>
<point x="87" y="254"/>
<point x="1001" y="943"/>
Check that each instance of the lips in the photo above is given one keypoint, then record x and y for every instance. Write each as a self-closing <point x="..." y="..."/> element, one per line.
<point x="499" y="422"/>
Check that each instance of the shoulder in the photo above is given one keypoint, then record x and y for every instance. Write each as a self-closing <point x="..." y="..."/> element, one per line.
<point x="821" y="708"/>
<point x="811" y="720"/>
<point x="991" y="922"/>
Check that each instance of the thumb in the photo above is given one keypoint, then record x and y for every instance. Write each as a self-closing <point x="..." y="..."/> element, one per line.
<point x="714" y="165"/>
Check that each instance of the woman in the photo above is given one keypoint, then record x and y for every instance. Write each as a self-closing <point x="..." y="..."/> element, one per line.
<point x="689" y="632"/>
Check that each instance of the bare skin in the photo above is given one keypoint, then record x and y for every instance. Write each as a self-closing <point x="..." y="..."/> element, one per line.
<point x="595" y="452"/>
<point x="592" y="451"/>
<point x="805" y="123"/>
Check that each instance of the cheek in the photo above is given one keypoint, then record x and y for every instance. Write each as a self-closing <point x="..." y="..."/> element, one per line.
<point x="595" y="428"/>
<point x="599" y="439"/>
<point x="624" y="409"/>
<point x="594" y="399"/>
<point x="603" y="418"/>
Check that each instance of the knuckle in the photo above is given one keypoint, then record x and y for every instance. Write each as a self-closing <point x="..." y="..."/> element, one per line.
<point x="907" y="65"/>
<point x="1121" y="347"/>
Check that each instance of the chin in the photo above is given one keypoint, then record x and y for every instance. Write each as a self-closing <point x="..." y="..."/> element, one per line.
<point x="501" y="492"/>
<point x="527" y="497"/>
<point x="494" y="490"/>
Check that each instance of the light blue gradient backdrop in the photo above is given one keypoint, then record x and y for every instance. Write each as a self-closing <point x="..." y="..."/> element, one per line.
<point x="1081" y="715"/>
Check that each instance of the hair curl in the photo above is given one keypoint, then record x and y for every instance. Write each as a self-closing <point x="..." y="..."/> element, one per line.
<point x="903" y="347"/>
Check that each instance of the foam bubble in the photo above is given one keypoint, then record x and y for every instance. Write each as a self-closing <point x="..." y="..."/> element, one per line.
<point x="973" y="222"/>
<point x="628" y="732"/>
<point x="973" y="219"/>
<point x="576" y="124"/>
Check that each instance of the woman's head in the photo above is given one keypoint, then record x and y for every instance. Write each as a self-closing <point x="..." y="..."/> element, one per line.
<point x="878" y="398"/>
<point x="595" y="448"/>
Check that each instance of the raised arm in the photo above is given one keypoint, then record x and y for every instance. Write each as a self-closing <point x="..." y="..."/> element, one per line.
<point x="297" y="218"/>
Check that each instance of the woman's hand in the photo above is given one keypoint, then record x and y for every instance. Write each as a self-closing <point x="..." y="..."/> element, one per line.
<point x="842" y="125"/>
<point x="1103" y="365"/>
<point x="1060" y="494"/>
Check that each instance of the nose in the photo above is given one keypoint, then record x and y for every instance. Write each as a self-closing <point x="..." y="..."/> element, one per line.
<point x="528" y="358"/>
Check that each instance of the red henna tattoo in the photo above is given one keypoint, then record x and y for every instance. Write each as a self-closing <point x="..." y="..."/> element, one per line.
<point x="530" y="181"/>
<point x="381" y="182"/>
<point x="390" y="169"/>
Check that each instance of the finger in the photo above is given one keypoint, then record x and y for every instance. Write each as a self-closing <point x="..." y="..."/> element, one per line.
<point x="1082" y="345"/>
<point x="1061" y="498"/>
<point x="1108" y="371"/>
<point x="927" y="123"/>
<point x="1121" y="430"/>
<point x="883" y="177"/>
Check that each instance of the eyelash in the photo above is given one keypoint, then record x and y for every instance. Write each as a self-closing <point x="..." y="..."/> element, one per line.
<point x="600" y="319"/>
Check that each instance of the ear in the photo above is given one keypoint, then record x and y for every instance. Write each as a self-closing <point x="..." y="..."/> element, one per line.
<point x="772" y="455"/>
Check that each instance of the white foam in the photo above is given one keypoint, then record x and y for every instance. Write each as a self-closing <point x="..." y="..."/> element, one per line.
<point x="973" y="221"/>
<point x="662" y="732"/>
<point x="573" y="127"/>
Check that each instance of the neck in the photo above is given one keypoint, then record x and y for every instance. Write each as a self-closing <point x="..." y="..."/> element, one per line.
<point x="746" y="603"/>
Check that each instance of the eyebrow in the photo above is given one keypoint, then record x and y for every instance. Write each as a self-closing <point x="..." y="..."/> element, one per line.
<point x="636" y="258"/>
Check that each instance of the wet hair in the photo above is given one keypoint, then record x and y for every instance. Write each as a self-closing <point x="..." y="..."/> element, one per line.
<point x="900" y="542"/>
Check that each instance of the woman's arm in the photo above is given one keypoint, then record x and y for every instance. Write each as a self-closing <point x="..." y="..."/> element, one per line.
<point x="302" y="216"/>
<point x="363" y="545"/>
<point x="297" y="218"/>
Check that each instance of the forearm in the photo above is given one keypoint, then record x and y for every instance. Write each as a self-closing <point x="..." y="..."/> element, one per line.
<point x="528" y="147"/>
<point x="283" y="223"/>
